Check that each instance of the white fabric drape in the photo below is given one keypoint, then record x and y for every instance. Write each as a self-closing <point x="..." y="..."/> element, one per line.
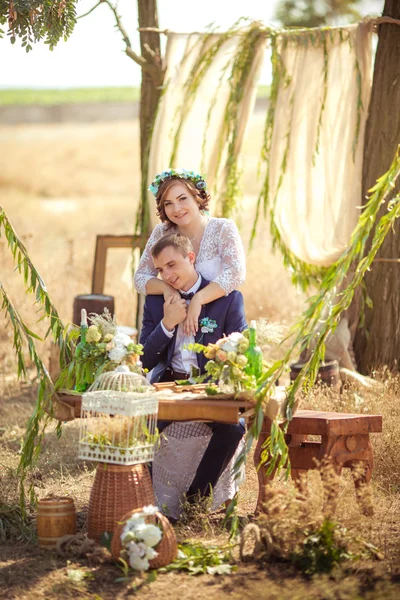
<point x="317" y="204"/>
<point x="201" y="131"/>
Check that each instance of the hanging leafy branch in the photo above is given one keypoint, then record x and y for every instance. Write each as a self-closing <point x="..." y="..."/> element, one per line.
<point x="34" y="284"/>
<point x="43" y="411"/>
<point x="303" y="274"/>
<point x="312" y="327"/>
<point x="41" y="416"/>
<point x="34" y="20"/>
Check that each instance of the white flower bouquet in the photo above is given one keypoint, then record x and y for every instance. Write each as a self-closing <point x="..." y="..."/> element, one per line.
<point x="139" y="539"/>
<point x="102" y="348"/>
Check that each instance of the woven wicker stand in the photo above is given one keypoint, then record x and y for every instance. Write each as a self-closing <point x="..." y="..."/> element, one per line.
<point x="167" y="548"/>
<point x="116" y="490"/>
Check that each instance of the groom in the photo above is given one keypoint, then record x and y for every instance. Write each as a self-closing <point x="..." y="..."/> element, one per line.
<point x="165" y="355"/>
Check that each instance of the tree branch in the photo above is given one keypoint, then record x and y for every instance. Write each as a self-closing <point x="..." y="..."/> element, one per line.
<point x="128" y="50"/>
<point x="91" y="10"/>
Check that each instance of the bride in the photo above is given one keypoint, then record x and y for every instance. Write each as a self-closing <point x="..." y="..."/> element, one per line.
<point x="182" y="205"/>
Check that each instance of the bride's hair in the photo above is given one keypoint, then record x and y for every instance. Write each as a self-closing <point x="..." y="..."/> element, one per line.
<point x="201" y="196"/>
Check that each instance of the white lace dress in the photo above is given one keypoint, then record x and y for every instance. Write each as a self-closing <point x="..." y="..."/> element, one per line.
<point x="220" y="259"/>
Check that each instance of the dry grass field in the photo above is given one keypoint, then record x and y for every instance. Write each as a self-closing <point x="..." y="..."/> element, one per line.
<point x="60" y="186"/>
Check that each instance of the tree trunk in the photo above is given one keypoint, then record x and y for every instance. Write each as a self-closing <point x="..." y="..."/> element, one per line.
<point x="380" y="345"/>
<point x="152" y="78"/>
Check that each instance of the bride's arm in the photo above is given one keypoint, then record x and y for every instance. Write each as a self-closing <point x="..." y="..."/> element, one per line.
<point x="158" y="287"/>
<point x="232" y="276"/>
<point x="145" y="278"/>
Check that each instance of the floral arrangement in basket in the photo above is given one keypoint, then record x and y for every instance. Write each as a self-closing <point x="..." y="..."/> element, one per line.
<point x="101" y="348"/>
<point x="139" y="538"/>
<point x="144" y="539"/>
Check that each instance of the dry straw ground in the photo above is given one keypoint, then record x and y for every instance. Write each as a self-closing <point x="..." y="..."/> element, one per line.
<point x="60" y="186"/>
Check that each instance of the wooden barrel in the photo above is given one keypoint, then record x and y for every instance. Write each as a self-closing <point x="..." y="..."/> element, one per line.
<point x="328" y="373"/>
<point x="55" y="518"/>
<point x="93" y="303"/>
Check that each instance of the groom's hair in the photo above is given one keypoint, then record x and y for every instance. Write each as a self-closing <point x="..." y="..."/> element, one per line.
<point x="180" y="242"/>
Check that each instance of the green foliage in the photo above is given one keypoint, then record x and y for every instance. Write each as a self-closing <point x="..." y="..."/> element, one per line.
<point x="24" y="97"/>
<point x="34" y="20"/>
<point x="35" y="285"/>
<point x="14" y="524"/>
<point x="196" y="559"/>
<point x="323" y="549"/>
<point x="23" y="335"/>
<point x="312" y="13"/>
<point x="311" y="326"/>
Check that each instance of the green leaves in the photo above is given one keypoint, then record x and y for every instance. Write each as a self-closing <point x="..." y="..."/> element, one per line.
<point x="23" y="335"/>
<point x="37" y="20"/>
<point x="197" y="559"/>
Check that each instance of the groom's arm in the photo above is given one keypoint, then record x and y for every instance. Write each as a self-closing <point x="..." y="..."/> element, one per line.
<point x="154" y="340"/>
<point x="235" y="318"/>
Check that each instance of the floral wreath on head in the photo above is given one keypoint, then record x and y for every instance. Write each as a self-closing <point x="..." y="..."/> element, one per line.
<point x="197" y="179"/>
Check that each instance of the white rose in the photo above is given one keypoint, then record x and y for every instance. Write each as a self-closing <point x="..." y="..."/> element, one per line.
<point x="117" y="354"/>
<point x="150" y="509"/>
<point x="137" y="549"/>
<point x="151" y="553"/>
<point x="229" y="346"/>
<point x="150" y="534"/>
<point x="127" y="537"/>
<point x="139" y="564"/>
<point x="231" y="342"/>
<point x="121" y="339"/>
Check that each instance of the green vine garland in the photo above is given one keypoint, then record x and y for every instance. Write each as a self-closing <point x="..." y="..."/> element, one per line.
<point x="35" y="285"/>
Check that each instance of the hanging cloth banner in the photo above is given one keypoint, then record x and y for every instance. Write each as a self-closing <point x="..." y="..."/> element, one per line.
<point x="189" y="127"/>
<point x="316" y="152"/>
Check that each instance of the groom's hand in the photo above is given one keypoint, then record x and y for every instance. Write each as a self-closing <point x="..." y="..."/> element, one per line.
<point x="174" y="312"/>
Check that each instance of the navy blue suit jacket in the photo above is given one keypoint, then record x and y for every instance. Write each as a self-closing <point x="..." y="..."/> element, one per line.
<point x="227" y="312"/>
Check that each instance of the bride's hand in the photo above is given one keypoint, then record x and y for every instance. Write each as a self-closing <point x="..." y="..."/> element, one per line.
<point x="191" y="323"/>
<point x="170" y="292"/>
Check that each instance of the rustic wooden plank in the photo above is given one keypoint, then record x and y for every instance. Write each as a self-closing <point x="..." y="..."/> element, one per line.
<point x="198" y="410"/>
<point x="173" y="409"/>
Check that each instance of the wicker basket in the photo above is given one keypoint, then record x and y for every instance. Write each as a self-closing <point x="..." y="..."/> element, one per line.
<point x="167" y="548"/>
<point x="116" y="490"/>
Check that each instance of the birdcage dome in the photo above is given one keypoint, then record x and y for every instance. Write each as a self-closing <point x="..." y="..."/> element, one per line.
<point x="118" y="419"/>
<point x="122" y="381"/>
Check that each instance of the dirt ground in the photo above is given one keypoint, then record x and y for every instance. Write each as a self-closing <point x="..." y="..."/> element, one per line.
<point x="60" y="186"/>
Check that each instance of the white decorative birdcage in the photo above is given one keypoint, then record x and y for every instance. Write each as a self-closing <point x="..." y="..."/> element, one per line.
<point x="118" y="419"/>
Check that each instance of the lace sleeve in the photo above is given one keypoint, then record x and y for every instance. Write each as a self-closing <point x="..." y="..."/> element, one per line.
<point x="146" y="270"/>
<point x="233" y="258"/>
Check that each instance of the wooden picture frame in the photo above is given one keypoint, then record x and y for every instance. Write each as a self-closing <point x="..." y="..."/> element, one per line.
<point x="103" y="243"/>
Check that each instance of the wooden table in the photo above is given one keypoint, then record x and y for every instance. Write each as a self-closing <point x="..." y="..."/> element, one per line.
<point x="344" y="438"/>
<point x="171" y="408"/>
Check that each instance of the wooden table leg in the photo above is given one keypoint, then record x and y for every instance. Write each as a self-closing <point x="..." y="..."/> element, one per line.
<point x="355" y="452"/>
<point x="263" y="478"/>
<point x="362" y="472"/>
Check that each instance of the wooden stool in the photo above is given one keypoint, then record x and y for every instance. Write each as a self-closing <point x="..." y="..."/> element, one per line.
<point x="344" y="443"/>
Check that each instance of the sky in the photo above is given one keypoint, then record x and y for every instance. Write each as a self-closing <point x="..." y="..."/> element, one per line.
<point x="94" y="54"/>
